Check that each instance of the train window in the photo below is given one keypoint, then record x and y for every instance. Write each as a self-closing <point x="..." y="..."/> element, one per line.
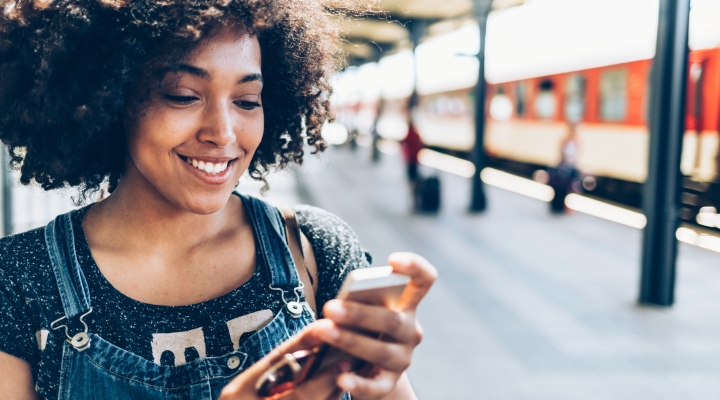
<point x="545" y="100"/>
<point x="613" y="95"/>
<point x="501" y="107"/>
<point x="449" y="105"/>
<point x="694" y="101"/>
<point x="575" y="98"/>
<point x="521" y="95"/>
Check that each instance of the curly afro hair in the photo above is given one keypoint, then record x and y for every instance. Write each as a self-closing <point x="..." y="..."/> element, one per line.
<point x="69" y="68"/>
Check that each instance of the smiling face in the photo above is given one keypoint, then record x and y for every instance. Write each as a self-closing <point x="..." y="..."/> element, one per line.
<point x="202" y="126"/>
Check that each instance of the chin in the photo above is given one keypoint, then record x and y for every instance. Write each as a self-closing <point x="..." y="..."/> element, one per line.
<point x="205" y="204"/>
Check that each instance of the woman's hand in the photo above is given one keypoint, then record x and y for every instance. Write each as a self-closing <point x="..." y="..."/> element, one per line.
<point x="390" y="356"/>
<point x="400" y="331"/>
<point x="323" y="386"/>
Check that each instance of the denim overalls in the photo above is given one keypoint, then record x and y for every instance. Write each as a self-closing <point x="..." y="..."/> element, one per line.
<point x="93" y="368"/>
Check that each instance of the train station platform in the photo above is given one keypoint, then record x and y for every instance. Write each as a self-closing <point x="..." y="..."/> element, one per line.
<point x="528" y="305"/>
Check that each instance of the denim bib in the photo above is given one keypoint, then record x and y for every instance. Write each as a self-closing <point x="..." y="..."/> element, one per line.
<point x="93" y="368"/>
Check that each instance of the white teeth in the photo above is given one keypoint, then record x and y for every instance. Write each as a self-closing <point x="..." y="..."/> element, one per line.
<point x="210" y="168"/>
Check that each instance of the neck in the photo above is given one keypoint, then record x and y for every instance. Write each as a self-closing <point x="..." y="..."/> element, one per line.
<point x="136" y="213"/>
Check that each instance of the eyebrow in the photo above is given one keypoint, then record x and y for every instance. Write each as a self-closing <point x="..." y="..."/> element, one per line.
<point x="195" y="71"/>
<point x="250" y="78"/>
<point x="205" y="75"/>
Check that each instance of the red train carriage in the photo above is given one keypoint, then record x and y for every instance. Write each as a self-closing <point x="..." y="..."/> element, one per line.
<point x="611" y="105"/>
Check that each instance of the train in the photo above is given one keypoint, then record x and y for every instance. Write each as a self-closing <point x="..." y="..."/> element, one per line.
<point x="553" y="66"/>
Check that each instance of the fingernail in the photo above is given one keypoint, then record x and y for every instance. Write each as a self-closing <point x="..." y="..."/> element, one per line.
<point x="344" y="366"/>
<point x="347" y="382"/>
<point x="334" y="333"/>
<point x="397" y="258"/>
<point x="337" y="309"/>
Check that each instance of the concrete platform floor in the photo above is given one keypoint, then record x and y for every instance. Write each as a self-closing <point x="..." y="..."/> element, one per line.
<point x="528" y="305"/>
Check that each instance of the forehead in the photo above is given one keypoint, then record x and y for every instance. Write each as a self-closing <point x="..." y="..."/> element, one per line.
<point x="228" y="50"/>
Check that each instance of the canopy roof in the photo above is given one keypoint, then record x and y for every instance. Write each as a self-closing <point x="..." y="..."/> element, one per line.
<point x="370" y="36"/>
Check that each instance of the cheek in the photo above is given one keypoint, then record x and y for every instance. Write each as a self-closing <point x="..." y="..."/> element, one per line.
<point x="150" y="140"/>
<point x="253" y="131"/>
<point x="154" y="132"/>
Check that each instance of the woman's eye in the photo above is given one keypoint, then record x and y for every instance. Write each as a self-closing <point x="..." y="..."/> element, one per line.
<point x="247" y="105"/>
<point x="180" y="99"/>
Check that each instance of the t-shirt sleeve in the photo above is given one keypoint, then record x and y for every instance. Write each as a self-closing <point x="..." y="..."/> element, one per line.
<point x="336" y="247"/>
<point x="16" y="337"/>
<point x="13" y="332"/>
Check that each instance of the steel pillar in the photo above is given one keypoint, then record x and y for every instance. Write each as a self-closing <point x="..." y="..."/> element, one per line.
<point x="417" y="31"/>
<point x="661" y="191"/>
<point x="478" y="201"/>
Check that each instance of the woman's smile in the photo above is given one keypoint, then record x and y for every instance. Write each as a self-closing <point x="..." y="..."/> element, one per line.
<point x="212" y="170"/>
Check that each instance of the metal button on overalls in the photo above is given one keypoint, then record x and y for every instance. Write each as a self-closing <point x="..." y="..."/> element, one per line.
<point x="233" y="362"/>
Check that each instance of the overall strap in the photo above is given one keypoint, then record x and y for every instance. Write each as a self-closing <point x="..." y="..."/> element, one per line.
<point x="304" y="265"/>
<point x="272" y="242"/>
<point x="60" y="242"/>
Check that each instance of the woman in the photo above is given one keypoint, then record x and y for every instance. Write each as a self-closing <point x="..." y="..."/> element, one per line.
<point x="173" y="287"/>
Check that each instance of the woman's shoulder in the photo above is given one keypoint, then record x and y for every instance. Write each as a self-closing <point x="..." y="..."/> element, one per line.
<point x="328" y="232"/>
<point x="25" y="265"/>
<point x="23" y="250"/>
<point x="322" y="222"/>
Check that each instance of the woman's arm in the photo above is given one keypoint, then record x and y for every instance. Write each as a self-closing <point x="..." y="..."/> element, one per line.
<point x="16" y="382"/>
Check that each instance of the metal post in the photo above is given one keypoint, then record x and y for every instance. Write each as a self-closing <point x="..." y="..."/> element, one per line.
<point x="667" y="123"/>
<point x="478" y="201"/>
<point x="417" y="31"/>
<point x="5" y="194"/>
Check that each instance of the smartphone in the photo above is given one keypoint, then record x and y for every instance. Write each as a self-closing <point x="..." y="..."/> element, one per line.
<point x="376" y="286"/>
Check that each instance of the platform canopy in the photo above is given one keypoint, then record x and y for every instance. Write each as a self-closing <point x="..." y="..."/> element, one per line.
<point x="369" y="36"/>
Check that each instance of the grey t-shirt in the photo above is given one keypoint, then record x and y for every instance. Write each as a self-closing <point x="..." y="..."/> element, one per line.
<point x="30" y="301"/>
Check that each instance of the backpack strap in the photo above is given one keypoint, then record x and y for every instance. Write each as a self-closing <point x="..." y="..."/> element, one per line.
<point x="299" y="247"/>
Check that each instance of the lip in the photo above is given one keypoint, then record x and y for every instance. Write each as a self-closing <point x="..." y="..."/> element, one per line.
<point x="212" y="179"/>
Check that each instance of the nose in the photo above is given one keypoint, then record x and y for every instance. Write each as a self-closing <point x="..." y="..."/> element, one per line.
<point x="218" y="126"/>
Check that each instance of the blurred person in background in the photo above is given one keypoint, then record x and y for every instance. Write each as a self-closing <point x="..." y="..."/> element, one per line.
<point x="375" y="152"/>
<point x="563" y="177"/>
<point x="411" y="146"/>
<point x="174" y="286"/>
